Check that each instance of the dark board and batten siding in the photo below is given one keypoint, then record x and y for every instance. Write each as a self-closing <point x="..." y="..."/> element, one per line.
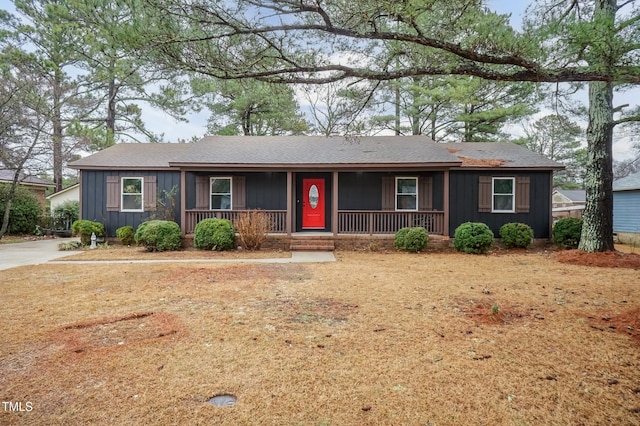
<point x="251" y="190"/>
<point x="468" y="200"/>
<point x="95" y="194"/>
<point x="376" y="191"/>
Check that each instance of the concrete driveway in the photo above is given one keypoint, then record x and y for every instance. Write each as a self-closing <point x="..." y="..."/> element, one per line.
<point x="31" y="252"/>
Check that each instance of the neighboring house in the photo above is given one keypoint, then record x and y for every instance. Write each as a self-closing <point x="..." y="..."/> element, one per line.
<point x="34" y="184"/>
<point x="626" y="209"/>
<point x="568" y="203"/>
<point x="337" y="186"/>
<point x="71" y="193"/>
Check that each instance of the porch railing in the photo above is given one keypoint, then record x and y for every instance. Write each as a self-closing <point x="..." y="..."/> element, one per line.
<point x="277" y="218"/>
<point x="349" y="221"/>
<point x="388" y="222"/>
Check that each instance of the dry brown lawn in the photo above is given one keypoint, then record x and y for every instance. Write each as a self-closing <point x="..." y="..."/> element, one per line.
<point x="372" y="339"/>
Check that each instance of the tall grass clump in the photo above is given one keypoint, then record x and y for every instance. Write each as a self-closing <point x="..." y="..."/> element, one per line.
<point x="252" y="227"/>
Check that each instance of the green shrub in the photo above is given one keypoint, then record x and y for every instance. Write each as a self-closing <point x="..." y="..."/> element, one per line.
<point x="516" y="234"/>
<point x="214" y="234"/>
<point x="126" y="235"/>
<point x="566" y="232"/>
<point x="159" y="235"/>
<point x="65" y="214"/>
<point x="84" y="229"/>
<point x="25" y="211"/>
<point x="400" y="238"/>
<point x="411" y="239"/>
<point x="252" y="227"/>
<point x="473" y="237"/>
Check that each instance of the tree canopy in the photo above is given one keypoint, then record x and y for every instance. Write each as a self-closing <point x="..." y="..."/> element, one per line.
<point x="290" y="41"/>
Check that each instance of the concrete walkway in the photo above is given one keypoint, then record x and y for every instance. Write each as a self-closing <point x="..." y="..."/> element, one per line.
<point x="43" y="251"/>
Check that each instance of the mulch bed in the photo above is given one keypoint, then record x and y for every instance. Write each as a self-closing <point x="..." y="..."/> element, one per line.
<point x="610" y="259"/>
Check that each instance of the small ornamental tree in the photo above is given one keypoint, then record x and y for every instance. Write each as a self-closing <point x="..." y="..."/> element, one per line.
<point x="516" y="234"/>
<point x="473" y="237"/>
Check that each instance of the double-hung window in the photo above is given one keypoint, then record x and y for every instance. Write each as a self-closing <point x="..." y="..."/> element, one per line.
<point x="132" y="194"/>
<point x="221" y="197"/>
<point x="503" y="195"/>
<point x="406" y="193"/>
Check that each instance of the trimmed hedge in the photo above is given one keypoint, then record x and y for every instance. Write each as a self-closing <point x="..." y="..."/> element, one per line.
<point x="411" y="239"/>
<point x="214" y="234"/>
<point x="84" y="229"/>
<point x="516" y="234"/>
<point x="567" y="231"/>
<point x="473" y="237"/>
<point x="126" y="235"/>
<point x="159" y="235"/>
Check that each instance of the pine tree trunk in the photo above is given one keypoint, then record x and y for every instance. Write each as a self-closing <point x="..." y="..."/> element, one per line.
<point x="597" y="229"/>
<point x="56" y="120"/>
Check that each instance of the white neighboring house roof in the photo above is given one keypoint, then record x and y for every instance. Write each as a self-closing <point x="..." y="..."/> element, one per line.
<point x="628" y="183"/>
<point x="71" y="193"/>
<point x="63" y="192"/>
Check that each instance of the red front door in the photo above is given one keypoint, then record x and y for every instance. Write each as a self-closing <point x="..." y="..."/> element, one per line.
<point x="312" y="203"/>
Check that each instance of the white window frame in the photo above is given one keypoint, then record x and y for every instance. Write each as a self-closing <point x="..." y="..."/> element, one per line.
<point x="397" y="193"/>
<point x="123" y="194"/>
<point x="493" y="194"/>
<point x="211" y="193"/>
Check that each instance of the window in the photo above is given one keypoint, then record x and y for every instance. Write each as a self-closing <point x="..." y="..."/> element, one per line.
<point x="221" y="193"/>
<point x="503" y="195"/>
<point x="132" y="194"/>
<point x="406" y="193"/>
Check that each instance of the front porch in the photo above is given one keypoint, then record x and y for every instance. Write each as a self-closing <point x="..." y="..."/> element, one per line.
<point x="338" y="204"/>
<point x="349" y="222"/>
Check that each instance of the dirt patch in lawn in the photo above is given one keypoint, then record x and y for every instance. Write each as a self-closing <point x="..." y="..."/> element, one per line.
<point x="323" y="310"/>
<point x="610" y="259"/>
<point x="491" y="312"/>
<point x="371" y="339"/>
<point x="626" y="322"/>
<point x="116" y="332"/>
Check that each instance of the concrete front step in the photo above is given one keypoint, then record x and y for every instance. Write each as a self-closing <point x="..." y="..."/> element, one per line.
<point x="312" y="244"/>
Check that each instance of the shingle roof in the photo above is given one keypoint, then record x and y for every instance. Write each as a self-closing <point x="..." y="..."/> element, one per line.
<point x="7" y="176"/>
<point x="270" y="151"/>
<point x="579" y="195"/>
<point x="499" y="154"/>
<point x="132" y="156"/>
<point x="316" y="150"/>
<point x="628" y="183"/>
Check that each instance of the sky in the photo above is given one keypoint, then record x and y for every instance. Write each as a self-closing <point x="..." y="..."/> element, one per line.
<point x="173" y="130"/>
<point x="196" y="124"/>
